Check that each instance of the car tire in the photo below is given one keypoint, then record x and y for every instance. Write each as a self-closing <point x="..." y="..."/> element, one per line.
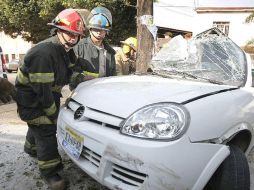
<point x="232" y="174"/>
<point x="9" y="71"/>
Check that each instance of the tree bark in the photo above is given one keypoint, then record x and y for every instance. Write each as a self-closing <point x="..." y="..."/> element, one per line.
<point x="144" y="37"/>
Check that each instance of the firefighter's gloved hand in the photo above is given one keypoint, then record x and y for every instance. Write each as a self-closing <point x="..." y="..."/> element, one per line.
<point x="78" y="79"/>
<point x="88" y="77"/>
<point x="7" y="91"/>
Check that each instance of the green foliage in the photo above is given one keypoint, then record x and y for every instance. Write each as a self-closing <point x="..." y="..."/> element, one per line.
<point x="29" y="18"/>
<point x="250" y="42"/>
<point x="250" y="18"/>
<point x="124" y="21"/>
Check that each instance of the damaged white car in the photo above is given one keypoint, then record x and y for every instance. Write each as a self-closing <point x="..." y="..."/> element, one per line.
<point x="188" y="124"/>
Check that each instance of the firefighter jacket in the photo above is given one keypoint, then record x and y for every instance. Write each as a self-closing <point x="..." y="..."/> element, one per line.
<point x="124" y="65"/>
<point x="46" y="68"/>
<point x="88" y="58"/>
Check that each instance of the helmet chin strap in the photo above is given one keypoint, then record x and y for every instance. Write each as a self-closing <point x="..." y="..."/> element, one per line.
<point x="96" y="37"/>
<point x="68" y="43"/>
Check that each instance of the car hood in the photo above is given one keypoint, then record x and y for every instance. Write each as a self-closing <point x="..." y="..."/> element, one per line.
<point x="121" y="96"/>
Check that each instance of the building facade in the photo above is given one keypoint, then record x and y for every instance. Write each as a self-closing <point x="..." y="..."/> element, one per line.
<point x="13" y="48"/>
<point x="197" y="16"/>
<point x="230" y="20"/>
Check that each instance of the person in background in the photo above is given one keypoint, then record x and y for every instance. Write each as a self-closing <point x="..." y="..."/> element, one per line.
<point x="126" y="57"/>
<point x="163" y="42"/>
<point x="187" y="35"/>
<point x="179" y="42"/>
<point x="178" y="48"/>
<point x="183" y="42"/>
<point x="95" y="58"/>
<point x="46" y="68"/>
<point x="167" y="37"/>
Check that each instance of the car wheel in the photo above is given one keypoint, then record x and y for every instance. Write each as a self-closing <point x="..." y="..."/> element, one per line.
<point x="233" y="173"/>
<point x="9" y="71"/>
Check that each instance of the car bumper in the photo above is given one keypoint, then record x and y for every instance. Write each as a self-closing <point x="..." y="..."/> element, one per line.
<point x="122" y="162"/>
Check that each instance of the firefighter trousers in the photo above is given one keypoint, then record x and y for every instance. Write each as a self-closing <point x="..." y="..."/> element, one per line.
<point x="41" y="142"/>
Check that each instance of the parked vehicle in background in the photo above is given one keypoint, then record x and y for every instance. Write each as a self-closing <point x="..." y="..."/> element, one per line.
<point x="2" y="64"/>
<point x="188" y="124"/>
<point x="13" y="65"/>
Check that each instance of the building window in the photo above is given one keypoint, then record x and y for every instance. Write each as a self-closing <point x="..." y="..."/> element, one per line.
<point x="222" y="26"/>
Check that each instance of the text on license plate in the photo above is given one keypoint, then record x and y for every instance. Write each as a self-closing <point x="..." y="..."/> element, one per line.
<point x="73" y="142"/>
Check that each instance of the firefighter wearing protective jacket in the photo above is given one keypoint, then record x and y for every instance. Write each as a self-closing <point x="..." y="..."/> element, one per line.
<point x="126" y="57"/>
<point x="45" y="70"/>
<point x="95" y="57"/>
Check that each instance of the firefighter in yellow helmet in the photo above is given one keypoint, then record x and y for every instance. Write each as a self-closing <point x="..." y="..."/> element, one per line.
<point x="46" y="68"/>
<point x="126" y="57"/>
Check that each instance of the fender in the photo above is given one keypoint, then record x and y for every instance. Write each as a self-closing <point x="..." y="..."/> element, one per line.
<point x="211" y="167"/>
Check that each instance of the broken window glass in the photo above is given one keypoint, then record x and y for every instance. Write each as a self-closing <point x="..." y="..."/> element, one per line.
<point x="207" y="57"/>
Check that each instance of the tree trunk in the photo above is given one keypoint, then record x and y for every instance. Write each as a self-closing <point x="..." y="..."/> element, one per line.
<point x="144" y="37"/>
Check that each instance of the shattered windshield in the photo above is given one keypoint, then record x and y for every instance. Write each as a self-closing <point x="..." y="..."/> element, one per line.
<point x="210" y="57"/>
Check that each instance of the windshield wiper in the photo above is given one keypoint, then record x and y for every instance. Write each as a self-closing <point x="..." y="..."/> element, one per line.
<point x="185" y="74"/>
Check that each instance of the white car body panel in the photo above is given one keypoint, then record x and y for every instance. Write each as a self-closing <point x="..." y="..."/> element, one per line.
<point x="134" y="154"/>
<point x="98" y="138"/>
<point x="151" y="89"/>
<point x="217" y="113"/>
<point x="239" y="103"/>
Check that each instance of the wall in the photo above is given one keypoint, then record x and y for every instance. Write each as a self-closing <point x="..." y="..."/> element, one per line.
<point x="184" y="17"/>
<point x="239" y="31"/>
<point x="13" y="47"/>
<point x="174" y="15"/>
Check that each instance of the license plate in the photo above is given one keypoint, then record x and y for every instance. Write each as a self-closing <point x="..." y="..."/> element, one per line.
<point x="73" y="142"/>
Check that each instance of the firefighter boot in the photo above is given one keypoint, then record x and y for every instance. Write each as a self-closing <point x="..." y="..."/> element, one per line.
<point x="30" y="152"/>
<point x="56" y="182"/>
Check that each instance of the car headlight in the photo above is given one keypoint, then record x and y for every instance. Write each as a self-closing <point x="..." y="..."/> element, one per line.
<point x="162" y="121"/>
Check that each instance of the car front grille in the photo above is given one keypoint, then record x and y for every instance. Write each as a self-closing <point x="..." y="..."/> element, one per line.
<point x="95" y="116"/>
<point x="131" y="178"/>
<point x="128" y="176"/>
<point x="91" y="156"/>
